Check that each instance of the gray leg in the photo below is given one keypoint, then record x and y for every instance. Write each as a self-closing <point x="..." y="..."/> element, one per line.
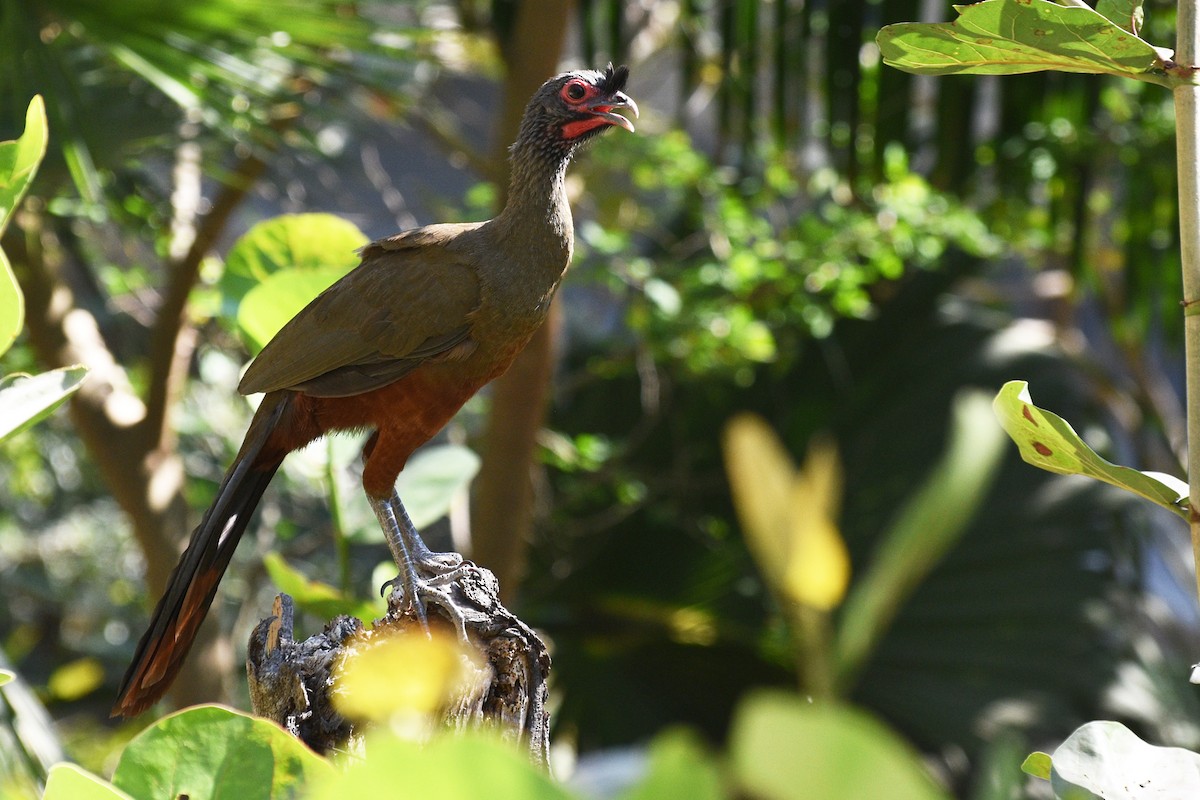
<point x="424" y="575"/>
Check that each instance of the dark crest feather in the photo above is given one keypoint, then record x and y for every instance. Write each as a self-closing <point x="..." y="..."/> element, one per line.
<point x="614" y="78"/>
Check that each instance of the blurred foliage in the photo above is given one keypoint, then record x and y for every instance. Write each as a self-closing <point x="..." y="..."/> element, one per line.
<point x="807" y="236"/>
<point x="745" y="269"/>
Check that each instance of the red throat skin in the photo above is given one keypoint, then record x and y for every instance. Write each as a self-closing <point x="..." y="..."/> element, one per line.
<point x="573" y="130"/>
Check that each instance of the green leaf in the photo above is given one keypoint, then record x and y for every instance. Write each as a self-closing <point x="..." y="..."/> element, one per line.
<point x="930" y="523"/>
<point x="289" y="241"/>
<point x="28" y="399"/>
<point x="281" y="264"/>
<point x="12" y="305"/>
<point x="6" y="676"/>
<point x="19" y="159"/>
<point x="18" y="164"/>
<point x="271" y="304"/>
<point x="71" y="782"/>
<point x="75" y="679"/>
<point x="786" y="748"/>
<point x="680" y="766"/>
<point x="1037" y="764"/>
<point x="1008" y="37"/>
<point x="216" y="753"/>
<point x="315" y="597"/>
<point x="1126" y="13"/>
<point x="459" y="767"/>
<point x="1107" y="760"/>
<point x="432" y="477"/>
<point x="1048" y="441"/>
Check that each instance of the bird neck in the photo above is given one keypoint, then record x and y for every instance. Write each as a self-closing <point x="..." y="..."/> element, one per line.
<point x="536" y="218"/>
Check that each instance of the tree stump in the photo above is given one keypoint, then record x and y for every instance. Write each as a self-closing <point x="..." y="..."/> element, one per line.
<point x="291" y="682"/>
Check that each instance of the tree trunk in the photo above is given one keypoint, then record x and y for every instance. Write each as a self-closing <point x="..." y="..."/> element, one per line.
<point x="502" y="513"/>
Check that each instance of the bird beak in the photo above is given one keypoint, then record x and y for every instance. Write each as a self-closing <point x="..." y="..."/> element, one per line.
<point x="603" y="108"/>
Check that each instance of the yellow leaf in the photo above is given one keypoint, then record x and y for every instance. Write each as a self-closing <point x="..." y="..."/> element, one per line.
<point x="818" y="567"/>
<point x="789" y="516"/>
<point x="760" y="476"/>
<point x="404" y="674"/>
<point x="76" y="679"/>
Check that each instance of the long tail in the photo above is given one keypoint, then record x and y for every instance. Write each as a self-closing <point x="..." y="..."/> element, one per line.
<point x="193" y="583"/>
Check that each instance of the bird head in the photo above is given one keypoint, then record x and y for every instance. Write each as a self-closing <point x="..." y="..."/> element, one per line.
<point x="573" y="107"/>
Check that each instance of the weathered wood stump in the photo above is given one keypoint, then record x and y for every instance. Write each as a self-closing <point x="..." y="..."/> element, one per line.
<point x="291" y="682"/>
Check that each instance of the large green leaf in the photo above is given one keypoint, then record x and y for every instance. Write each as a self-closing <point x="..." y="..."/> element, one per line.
<point x="71" y="782"/>
<point x="785" y="747"/>
<point x="1107" y="760"/>
<point x="1008" y="37"/>
<point x="679" y="767"/>
<point x="28" y="399"/>
<point x="211" y="752"/>
<point x="448" y="768"/>
<point x="281" y="264"/>
<point x="431" y="479"/>
<point x="19" y="161"/>
<point x="1048" y="441"/>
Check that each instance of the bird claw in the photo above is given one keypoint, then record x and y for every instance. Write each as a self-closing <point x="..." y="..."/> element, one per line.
<point x="430" y="583"/>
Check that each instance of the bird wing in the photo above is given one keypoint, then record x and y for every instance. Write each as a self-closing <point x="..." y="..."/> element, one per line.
<point x="411" y="299"/>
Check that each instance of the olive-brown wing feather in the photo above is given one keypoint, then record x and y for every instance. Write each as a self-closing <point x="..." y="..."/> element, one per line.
<point x="411" y="299"/>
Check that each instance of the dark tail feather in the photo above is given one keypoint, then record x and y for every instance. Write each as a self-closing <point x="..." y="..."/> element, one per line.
<point x="193" y="583"/>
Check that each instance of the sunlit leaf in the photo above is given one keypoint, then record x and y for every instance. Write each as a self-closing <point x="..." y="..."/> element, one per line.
<point x="1048" y="441"/>
<point x="19" y="161"/>
<point x="28" y="399"/>
<point x="271" y="304"/>
<point x="1007" y="37"/>
<point x="817" y="567"/>
<point x="789" y="515"/>
<point x="72" y="782"/>
<point x="1107" y="760"/>
<point x="12" y="305"/>
<point x="1037" y="764"/>
<point x="460" y="767"/>
<point x="211" y="752"/>
<point x="76" y="679"/>
<point x="317" y="598"/>
<point x="6" y="676"/>
<point x="1129" y="14"/>
<point x="280" y="265"/>
<point x="784" y="747"/>
<point x="405" y="674"/>
<point x="761" y="474"/>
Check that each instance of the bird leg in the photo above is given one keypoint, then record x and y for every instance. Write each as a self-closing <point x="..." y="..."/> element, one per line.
<point x="425" y="576"/>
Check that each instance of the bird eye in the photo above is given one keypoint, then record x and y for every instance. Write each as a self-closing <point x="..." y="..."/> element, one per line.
<point x="575" y="90"/>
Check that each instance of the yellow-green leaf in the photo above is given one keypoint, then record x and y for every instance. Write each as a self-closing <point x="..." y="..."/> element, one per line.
<point x="403" y="675"/>
<point x="1008" y="37"/>
<point x="76" y="679"/>
<point x="760" y="477"/>
<point x="817" y="566"/>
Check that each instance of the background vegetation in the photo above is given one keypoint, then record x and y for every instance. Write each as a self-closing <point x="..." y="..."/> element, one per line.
<point x="795" y="230"/>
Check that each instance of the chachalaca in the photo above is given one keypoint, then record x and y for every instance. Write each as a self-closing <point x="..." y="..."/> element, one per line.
<point x="397" y="346"/>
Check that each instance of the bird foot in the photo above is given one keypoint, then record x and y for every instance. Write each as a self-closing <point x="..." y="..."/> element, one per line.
<point x="429" y="582"/>
<point x="467" y="595"/>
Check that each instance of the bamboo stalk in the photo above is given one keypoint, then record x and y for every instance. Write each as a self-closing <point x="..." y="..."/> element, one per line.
<point x="1187" y="132"/>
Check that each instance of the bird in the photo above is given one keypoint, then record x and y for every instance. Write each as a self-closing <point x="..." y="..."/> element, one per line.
<point x="395" y="347"/>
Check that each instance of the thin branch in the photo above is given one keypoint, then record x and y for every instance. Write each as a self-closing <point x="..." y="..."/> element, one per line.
<point x="171" y="339"/>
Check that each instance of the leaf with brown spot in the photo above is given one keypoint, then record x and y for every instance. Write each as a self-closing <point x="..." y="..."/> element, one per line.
<point x="1048" y="441"/>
